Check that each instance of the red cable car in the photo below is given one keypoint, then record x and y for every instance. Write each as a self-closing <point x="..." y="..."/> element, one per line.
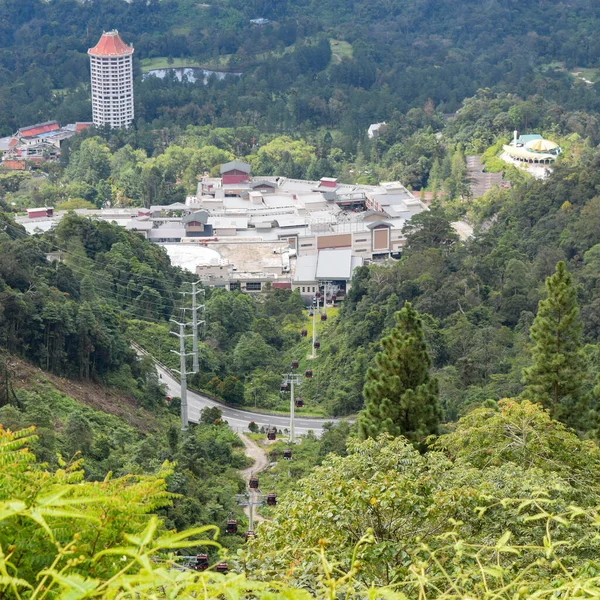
<point x="231" y="526"/>
<point x="253" y="483"/>
<point x="317" y="344"/>
<point x="201" y="562"/>
<point x="308" y="373"/>
<point x="295" y="364"/>
<point x="271" y="499"/>
<point x="249" y="534"/>
<point x="323" y="317"/>
<point x="287" y="454"/>
<point x="299" y="403"/>
<point x="318" y="295"/>
<point x="304" y="333"/>
<point x="222" y="567"/>
<point x="271" y="434"/>
<point x="310" y="313"/>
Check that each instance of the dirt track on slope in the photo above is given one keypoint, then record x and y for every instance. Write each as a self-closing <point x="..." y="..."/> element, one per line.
<point x="261" y="462"/>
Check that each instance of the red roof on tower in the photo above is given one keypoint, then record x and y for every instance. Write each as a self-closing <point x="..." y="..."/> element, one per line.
<point x="111" y="44"/>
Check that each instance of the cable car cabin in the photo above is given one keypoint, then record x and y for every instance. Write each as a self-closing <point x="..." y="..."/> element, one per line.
<point x="308" y="373"/>
<point x="231" y="526"/>
<point x="299" y="403"/>
<point x="284" y="387"/>
<point x="253" y="483"/>
<point x="271" y="434"/>
<point x="249" y="534"/>
<point x="222" y="567"/>
<point x="201" y="562"/>
<point x="317" y="344"/>
<point x="295" y="364"/>
<point x="304" y="333"/>
<point x="272" y="499"/>
<point x="323" y="317"/>
<point x="287" y="454"/>
<point x="318" y="295"/>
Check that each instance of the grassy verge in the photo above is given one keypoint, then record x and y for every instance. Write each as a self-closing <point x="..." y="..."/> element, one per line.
<point x="332" y="313"/>
<point x="300" y="412"/>
<point x="340" y="50"/>
<point x="162" y="62"/>
<point x="588" y="74"/>
<point x="591" y="74"/>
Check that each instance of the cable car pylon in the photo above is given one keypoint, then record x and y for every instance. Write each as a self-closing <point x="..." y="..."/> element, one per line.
<point x="290" y="380"/>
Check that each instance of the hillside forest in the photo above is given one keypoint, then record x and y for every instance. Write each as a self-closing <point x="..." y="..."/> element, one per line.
<point x="462" y="379"/>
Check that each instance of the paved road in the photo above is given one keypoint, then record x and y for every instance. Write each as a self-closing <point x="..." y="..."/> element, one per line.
<point x="239" y="419"/>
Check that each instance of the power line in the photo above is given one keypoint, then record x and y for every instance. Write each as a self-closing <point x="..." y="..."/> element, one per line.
<point x="26" y="235"/>
<point x="82" y="271"/>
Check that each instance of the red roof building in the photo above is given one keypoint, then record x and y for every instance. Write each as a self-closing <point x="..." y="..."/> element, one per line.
<point x="111" y="44"/>
<point x="43" y="211"/>
<point x="328" y="182"/>
<point x="234" y="172"/>
<point x="81" y="125"/>
<point x="35" y="130"/>
<point x="13" y="164"/>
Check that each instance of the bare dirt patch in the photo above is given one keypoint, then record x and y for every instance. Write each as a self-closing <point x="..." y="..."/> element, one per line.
<point x="93" y="395"/>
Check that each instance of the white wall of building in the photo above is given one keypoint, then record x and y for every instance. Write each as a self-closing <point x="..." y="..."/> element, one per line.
<point x="112" y="90"/>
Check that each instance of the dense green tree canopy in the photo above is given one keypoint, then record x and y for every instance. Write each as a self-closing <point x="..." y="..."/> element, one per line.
<point x="557" y="377"/>
<point x="400" y="396"/>
<point x="413" y="505"/>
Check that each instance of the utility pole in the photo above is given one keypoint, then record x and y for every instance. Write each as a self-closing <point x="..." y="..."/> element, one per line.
<point x="195" y="322"/>
<point x="195" y="309"/>
<point x="291" y="380"/>
<point x="182" y="372"/>
<point x="315" y="311"/>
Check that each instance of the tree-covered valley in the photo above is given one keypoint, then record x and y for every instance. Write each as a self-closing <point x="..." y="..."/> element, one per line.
<point x="396" y="56"/>
<point x="462" y="379"/>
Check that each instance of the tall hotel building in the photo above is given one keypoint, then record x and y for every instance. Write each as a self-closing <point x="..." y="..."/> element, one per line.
<point x="112" y="81"/>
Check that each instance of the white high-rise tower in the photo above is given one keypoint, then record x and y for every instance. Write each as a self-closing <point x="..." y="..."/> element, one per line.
<point x="112" y="81"/>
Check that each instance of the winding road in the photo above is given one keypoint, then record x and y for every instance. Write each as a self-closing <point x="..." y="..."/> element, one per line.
<point x="238" y="419"/>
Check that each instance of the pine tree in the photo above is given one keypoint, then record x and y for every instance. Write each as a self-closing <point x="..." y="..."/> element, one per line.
<point x="558" y="373"/>
<point x="400" y="396"/>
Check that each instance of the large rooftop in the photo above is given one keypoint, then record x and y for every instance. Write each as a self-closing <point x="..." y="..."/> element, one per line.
<point x="334" y="264"/>
<point x="111" y="44"/>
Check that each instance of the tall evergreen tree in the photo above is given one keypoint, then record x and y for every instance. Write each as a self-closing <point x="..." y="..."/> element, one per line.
<point x="400" y="396"/>
<point x="558" y="374"/>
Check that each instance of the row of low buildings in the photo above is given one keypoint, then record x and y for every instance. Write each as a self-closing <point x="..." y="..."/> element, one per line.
<point x="291" y="233"/>
<point x="242" y="232"/>
<point x="36" y="143"/>
<point x="111" y="71"/>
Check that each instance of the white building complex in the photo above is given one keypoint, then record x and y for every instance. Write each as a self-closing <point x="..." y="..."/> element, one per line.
<point x="254" y="233"/>
<point x="111" y="67"/>
<point x="304" y="235"/>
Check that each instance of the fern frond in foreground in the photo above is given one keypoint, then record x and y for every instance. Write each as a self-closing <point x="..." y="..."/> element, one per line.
<point x="383" y="523"/>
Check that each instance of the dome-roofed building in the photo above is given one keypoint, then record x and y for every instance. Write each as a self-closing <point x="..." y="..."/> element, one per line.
<point x="111" y="68"/>
<point x="532" y="149"/>
<point x="541" y="145"/>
